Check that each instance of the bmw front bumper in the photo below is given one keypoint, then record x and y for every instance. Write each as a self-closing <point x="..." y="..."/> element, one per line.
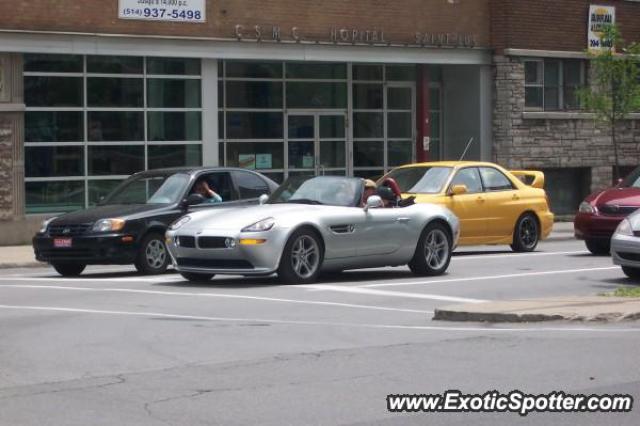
<point x="625" y="250"/>
<point x="228" y="254"/>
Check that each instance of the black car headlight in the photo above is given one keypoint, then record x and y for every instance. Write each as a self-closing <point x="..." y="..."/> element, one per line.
<point x="108" y="225"/>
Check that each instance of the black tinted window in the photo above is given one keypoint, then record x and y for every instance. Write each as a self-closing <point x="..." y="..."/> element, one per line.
<point x="494" y="180"/>
<point x="250" y="185"/>
<point x="221" y="184"/>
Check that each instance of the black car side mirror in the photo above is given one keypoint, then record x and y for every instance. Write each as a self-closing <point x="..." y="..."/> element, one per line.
<point x="192" y="200"/>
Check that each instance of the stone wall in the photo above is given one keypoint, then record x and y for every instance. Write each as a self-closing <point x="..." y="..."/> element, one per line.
<point x="11" y="139"/>
<point x="554" y="140"/>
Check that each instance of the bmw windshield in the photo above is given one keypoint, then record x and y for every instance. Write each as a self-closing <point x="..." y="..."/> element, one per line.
<point x="145" y="189"/>
<point x="421" y="180"/>
<point x="320" y="190"/>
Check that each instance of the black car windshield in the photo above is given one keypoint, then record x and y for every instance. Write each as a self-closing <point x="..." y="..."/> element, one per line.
<point x="422" y="180"/>
<point x="155" y="189"/>
<point x="633" y="180"/>
<point x="329" y="190"/>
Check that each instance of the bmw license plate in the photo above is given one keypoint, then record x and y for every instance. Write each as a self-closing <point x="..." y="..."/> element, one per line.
<point x="62" y="242"/>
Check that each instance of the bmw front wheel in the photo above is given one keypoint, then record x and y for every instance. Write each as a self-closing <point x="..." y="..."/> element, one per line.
<point x="301" y="258"/>
<point x="433" y="252"/>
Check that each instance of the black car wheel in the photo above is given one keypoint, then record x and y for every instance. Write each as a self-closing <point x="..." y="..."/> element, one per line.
<point x="598" y="247"/>
<point x="433" y="252"/>
<point x="526" y="234"/>
<point x="301" y="258"/>
<point x="153" y="257"/>
<point x="69" y="269"/>
<point x="197" y="277"/>
<point x="633" y="273"/>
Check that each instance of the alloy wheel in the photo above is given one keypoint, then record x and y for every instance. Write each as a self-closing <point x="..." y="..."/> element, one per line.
<point x="305" y="256"/>
<point x="156" y="253"/>
<point x="436" y="248"/>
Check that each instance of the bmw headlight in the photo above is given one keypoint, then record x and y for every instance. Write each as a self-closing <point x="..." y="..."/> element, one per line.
<point x="108" y="225"/>
<point x="260" y="226"/>
<point x="180" y="222"/>
<point x="625" y="228"/>
<point x="45" y="225"/>
<point x="586" y="207"/>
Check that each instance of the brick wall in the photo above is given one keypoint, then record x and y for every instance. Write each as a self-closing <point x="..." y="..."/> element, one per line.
<point x="400" y="19"/>
<point x="554" y="24"/>
<point x="553" y="143"/>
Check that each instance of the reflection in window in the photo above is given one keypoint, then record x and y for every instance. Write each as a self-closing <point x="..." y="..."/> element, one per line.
<point x="115" y="160"/>
<point x="254" y="125"/>
<point x="368" y="154"/>
<point x="161" y="156"/>
<point x="173" y="93"/>
<point x="53" y="91"/>
<point x="114" y="64"/>
<point x="254" y="94"/>
<point x="316" y="95"/>
<point x="255" y="155"/>
<point x="54" y="126"/>
<point x="99" y="189"/>
<point x="43" y="62"/>
<point x="173" y="66"/>
<point x="174" y="126"/>
<point x="115" y="92"/>
<point x="46" y="161"/>
<point x="53" y="197"/>
<point x="368" y="125"/>
<point x="115" y="126"/>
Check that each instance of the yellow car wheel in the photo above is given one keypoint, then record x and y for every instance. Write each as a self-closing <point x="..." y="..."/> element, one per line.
<point x="526" y="233"/>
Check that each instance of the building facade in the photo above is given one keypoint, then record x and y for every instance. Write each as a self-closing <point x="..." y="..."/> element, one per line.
<point x="91" y="92"/>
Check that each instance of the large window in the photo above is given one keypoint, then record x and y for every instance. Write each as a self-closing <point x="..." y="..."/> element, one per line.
<point x="93" y="120"/>
<point x="551" y="84"/>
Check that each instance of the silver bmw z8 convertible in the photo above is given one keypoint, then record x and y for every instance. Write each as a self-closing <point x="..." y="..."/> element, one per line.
<point x="311" y="225"/>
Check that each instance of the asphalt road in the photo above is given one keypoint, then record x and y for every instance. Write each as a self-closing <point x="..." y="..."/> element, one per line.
<point x="114" y="348"/>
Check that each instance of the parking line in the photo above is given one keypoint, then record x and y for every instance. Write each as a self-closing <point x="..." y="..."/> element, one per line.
<point x="218" y="295"/>
<point x="320" y="323"/>
<point x="491" y="277"/>
<point x="460" y="256"/>
<point x="370" y="292"/>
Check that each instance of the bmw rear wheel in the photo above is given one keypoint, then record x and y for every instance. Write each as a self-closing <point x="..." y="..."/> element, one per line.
<point x="301" y="258"/>
<point x="633" y="273"/>
<point x="433" y="252"/>
<point x="153" y="257"/>
<point x="526" y="234"/>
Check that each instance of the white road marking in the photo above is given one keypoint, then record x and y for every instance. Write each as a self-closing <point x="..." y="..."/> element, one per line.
<point x="460" y="256"/>
<point x="362" y="290"/>
<point x="491" y="277"/>
<point x="319" y="323"/>
<point x="158" y="279"/>
<point x="218" y="295"/>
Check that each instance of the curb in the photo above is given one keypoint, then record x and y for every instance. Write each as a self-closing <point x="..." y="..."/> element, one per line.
<point x="496" y="317"/>
<point x="34" y="264"/>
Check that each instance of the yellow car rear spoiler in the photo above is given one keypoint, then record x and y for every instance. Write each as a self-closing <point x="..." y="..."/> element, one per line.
<point x="532" y="178"/>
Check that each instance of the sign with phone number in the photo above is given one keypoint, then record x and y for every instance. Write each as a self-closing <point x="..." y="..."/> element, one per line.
<point x="163" y="10"/>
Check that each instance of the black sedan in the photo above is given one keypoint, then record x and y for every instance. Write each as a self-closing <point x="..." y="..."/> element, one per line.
<point x="128" y="226"/>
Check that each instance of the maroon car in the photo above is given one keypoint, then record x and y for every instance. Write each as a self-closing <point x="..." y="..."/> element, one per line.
<point x="601" y="212"/>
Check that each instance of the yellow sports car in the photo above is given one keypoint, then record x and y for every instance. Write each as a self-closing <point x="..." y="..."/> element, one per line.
<point x="495" y="206"/>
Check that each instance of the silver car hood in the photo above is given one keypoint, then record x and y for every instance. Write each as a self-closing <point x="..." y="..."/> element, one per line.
<point x="238" y="218"/>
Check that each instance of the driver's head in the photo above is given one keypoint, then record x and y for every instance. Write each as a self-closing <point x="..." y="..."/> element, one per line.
<point x="202" y="187"/>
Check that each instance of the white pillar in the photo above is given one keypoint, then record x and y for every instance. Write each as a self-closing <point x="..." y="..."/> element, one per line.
<point x="210" y="142"/>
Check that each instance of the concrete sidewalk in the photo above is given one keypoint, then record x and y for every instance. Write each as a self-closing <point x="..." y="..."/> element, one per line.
<point x="22" y="256"/>
<point x="592" y="308"/>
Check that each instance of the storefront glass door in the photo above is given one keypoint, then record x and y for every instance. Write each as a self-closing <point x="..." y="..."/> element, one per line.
<point x="316" y="143"/>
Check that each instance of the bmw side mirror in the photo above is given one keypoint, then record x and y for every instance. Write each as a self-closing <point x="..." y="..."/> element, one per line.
<point x="263" y="199"/>
<point x="373" y="202"/>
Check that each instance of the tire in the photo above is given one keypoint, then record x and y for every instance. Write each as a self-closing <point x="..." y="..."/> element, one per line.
<point x="633" y="273"/>
<point x="301" y="258"/>
<point x="598" y="247"/>
<point x="69" y="269"/>
<point x="197" y="277"/>
<point x="153" y="257"/>
<point x="433" y="252"/>
<point x="526" y="234"/>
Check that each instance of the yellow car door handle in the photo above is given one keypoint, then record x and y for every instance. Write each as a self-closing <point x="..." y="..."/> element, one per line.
<point x="480" y="199"/>
<point x="515" y="197"/>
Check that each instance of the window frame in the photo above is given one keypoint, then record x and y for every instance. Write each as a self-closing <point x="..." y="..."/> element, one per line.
<point x="561" y="86"/>
<point x="477" y="169"/>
